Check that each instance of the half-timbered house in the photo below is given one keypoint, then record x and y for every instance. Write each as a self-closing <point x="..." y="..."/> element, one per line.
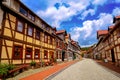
<point x="24" y="36"/>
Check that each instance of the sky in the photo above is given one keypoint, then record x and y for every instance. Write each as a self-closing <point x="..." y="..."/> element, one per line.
<point x="80" y="18"/>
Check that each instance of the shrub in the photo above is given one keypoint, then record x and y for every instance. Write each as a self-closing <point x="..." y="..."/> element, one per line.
<point x="33" y="63"/>
<point x="3" y="69"/>
<point x="10" y="66"/>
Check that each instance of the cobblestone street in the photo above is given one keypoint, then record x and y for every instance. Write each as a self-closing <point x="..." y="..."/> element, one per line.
<point x="86" y="69"/>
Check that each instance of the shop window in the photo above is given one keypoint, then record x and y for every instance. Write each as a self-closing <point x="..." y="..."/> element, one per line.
<point x="37" y="35"/>
<point x="37" y="54"/>
<point x="20" y="26"/>
<point x="45" y="54"/>
<point x="28" y="54"/>
<point x="30" y="31"/>
<point x="23" y="11"/>
<point x="51" y="54"/>
<point x="17" y="52"/>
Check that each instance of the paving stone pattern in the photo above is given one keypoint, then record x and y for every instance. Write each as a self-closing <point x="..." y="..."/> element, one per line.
<point x="86" y="69"/>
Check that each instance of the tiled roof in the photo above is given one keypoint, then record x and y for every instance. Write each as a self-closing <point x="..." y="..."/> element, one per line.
<point x="111" y="27"/>
<point x="102" y="32"/>
<point x="117" y="16"/>
<point x="60" y="31"/>
<point x="73" y="42"/>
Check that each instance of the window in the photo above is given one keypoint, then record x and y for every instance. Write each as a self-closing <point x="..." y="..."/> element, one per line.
<point x="37" y="34"/>
<point x="37" y="54"/>
<point x="118" y="32"/>
<point x="45" y="54"/>
<point x="57" y="55"/>
<point x="23" y="11"/>
<point x="17" y="52"/>
<point x="46" y="39"/>
<point x="31" y="17"/>
<point x="57" y="44"/>
<point x="51" y="54"/>
<point x="30" y="31"/>
<point x="28" y="54"/>
<point x="20" y="26"/>
<point x="43" y="26"/>
<point x="47" y="28"/>
<point x="51" y="41"/>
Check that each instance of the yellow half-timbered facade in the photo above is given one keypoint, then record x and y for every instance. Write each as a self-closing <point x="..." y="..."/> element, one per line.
<point x="24" y="36"/>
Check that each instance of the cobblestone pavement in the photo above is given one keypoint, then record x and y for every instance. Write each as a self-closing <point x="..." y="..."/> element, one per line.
<point x="86" y="69"/>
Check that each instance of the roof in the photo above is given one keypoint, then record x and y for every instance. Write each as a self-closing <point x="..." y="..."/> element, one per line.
<point x="101" y="32"/>
<point x="111" y="27"/>
<point x="67" y="36"/>
<point x="117" y="16"/>
<point x="60" y="31"/>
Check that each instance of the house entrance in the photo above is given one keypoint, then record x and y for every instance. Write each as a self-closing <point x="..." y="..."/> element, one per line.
<point x="112" y="55"/>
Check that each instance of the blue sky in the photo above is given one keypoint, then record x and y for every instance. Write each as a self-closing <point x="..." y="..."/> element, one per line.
<point x="80" y="18"/>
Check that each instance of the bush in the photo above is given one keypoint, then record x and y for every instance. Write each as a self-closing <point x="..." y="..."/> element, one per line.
<point x="3" y="69"/>
<point x="10" y="66"/>
<point x="33" y="63"/>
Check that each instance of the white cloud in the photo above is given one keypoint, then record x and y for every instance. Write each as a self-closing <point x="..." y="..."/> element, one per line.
<point x="56" y="16"/>
<point x="86" y="12"/>
<point x="87" y="33"/>
<point x="116" y="11"/>
<point x="99" y="2"/>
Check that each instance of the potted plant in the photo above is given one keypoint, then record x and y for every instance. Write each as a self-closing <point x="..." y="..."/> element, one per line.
<point x="33" y="64"/>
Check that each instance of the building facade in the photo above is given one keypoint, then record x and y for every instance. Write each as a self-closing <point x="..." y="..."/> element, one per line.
<point x="108" y="46"/>
<point x="25" y="37"/>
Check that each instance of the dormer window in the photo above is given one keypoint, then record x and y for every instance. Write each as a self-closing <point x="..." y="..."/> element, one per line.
<point x="31" y="17"/>
<point x="23" y="11"/>
<point x="43" y="26"/>
<point x="27" y="13"/>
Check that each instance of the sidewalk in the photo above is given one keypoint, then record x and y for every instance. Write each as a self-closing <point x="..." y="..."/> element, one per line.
<point x="109" y="65"/>
<point x="44" y="74"/>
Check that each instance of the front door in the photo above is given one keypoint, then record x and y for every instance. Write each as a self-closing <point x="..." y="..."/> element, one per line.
<point x="112" y="55"/>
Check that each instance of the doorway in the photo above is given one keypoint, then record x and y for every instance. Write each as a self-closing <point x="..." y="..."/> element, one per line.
<point x="112" y="55"/>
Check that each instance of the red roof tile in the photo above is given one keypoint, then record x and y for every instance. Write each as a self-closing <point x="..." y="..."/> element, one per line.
<point x="60" y="31"/>
<point x="111" y="27"/>
<point x="102" y="32"/>
<point x="117" y="16"/>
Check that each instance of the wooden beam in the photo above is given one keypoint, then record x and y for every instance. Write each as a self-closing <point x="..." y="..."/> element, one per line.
<point x="2" y="31"/>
